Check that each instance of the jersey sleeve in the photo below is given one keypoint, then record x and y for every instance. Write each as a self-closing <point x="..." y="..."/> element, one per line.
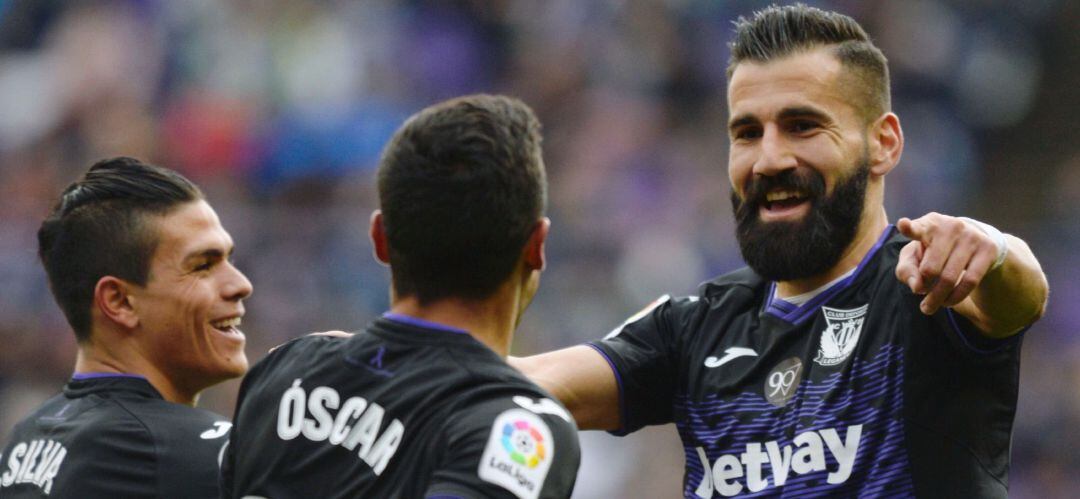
<point x="642" y="352"/>
<point x="511" y="447"/>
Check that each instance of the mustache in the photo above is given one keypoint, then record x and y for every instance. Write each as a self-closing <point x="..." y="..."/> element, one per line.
<point x="808" y="181"/>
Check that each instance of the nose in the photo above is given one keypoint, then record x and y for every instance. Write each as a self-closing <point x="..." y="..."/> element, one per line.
<point x="237" y="286"/>
<point x="775" y="154"/>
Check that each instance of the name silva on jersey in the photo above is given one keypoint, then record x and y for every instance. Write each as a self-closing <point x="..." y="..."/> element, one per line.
<point x="808" y="456"/>
<point x="37" y="462"/>
<point x="357" y="424"/>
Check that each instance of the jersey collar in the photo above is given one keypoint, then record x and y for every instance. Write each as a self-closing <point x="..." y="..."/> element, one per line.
<point x="779" y="308"/>
<point x="83" y="384"/>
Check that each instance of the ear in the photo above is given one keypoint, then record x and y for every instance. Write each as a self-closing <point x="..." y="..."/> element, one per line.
<point x="886" y="143"/>
<point x="113" y="299"/>
<point x="378" y="238"/>
<point x="534" y="247"/>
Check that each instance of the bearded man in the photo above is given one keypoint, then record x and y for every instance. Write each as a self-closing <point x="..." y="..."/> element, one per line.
<point x="852" y="357"/>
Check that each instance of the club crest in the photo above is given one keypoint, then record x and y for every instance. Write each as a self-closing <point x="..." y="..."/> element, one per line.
<point x="841" y="334"/>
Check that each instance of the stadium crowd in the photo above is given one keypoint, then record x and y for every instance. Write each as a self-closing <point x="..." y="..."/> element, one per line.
<point x="279" y="110"/>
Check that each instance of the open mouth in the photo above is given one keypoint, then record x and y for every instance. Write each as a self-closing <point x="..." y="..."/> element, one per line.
<point x="784" y="201"/>
<point x="228" y="326"/>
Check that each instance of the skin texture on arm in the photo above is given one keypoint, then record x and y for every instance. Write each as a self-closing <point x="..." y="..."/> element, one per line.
<point x="949" y="261"/>
<point x="581" y="379"/>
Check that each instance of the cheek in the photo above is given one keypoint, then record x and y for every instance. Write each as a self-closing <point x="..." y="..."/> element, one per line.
<point x="738" y="170"/>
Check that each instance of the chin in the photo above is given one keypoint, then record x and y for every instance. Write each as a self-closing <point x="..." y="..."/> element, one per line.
<point x="237" y="368"/>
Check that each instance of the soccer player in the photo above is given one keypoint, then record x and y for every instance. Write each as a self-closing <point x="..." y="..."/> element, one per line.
<point x="139" y="264"/>
<point x="422" y="403"/>
<point x="852" y="358"/>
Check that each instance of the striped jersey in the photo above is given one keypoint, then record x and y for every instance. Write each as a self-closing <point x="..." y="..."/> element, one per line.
<point x="852" y="393"/>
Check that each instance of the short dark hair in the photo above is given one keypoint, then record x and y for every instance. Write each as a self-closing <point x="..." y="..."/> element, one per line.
<point x="99" y="227"/>
<point x="461" y="186"/>
<point x="777" y="32"/>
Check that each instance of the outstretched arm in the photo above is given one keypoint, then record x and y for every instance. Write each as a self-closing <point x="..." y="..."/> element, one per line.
<point x="952" y="262"/>
<point x="581" y="379"/>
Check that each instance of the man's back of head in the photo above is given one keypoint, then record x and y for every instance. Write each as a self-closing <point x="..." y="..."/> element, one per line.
<point x="461" y="187"/>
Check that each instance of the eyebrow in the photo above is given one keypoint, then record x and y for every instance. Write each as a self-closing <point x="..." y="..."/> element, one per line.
<point x="785" y="114"/>
<point x="804" y="112"/>
<point x="209" y="254"/>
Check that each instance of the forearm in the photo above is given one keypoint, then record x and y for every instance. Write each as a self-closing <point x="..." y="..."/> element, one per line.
<point x="581" y="379"/>
<point x="1010" y="297"/>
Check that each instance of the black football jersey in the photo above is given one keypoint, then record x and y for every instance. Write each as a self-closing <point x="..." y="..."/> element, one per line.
<point x="853" y="393"/>
<point x="112" y="436"/>
<point x="404" y="409"/>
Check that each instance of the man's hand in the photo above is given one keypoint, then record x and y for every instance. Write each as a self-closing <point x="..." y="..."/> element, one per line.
<point x="334" y="333"/>
<point x="946" y="260"/>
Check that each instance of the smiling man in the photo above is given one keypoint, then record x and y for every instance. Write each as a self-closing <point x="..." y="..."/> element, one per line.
<point x="852" y="357"/>
<point x="139" y="264"/>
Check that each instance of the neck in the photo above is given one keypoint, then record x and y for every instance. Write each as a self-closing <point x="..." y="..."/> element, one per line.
<point x="869" y="231"/>
<point x="96" y="357"/>
<point x="491" y="321"/>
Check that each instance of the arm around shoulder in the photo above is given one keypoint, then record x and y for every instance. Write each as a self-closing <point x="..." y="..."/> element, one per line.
<point x="581" y="378"/>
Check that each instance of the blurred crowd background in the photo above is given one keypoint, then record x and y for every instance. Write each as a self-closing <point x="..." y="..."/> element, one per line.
<point x="279" y="110"/>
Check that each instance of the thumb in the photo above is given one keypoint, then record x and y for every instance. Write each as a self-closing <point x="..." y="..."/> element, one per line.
<point x="911" y="228"/>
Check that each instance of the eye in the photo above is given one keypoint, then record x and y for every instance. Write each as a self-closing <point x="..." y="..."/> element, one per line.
<point x="204" y="266"/>
<point x="802" y="126"/>
<point x="746" y="133"/>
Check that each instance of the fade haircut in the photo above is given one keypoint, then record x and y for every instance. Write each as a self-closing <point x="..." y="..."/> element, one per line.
<point x="100" y="227"/>
<point x="778" y="32"/>
<point x="461" y="187"/>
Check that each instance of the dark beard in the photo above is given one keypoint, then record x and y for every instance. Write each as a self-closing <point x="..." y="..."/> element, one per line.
<point x="787" y="251"/>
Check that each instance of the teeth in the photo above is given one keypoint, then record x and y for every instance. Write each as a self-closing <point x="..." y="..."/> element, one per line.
<point x="226" y="323"/>
<point x="775" y="196"/>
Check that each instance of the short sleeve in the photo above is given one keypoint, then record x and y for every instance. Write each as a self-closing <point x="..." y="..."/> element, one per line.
<point x="511" y="447"/>
<point x="641" y="352"/>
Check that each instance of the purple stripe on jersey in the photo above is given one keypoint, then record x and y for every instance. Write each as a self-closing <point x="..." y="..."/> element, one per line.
<point x="82" y="376"/>
<point x="807" y="310"/>
<point x="868" y="393"/>
<point x="413" y="321"/>
<point x="998" y="344"/>
<point x="618" y="381"/>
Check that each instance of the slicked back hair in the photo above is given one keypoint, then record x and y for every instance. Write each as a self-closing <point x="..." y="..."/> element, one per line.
<point x="461" y="186"/>
<point x="778" y="32"/>
<point x="100" y="227"/>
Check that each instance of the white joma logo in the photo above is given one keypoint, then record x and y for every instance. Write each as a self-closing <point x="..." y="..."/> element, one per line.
<point x="729" y="355"/>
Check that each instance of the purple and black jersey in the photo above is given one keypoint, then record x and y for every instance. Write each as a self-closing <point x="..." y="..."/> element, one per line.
<point x="853" y="393"/>
<point x="112" y="436"/>
<point x="403" y="409"/>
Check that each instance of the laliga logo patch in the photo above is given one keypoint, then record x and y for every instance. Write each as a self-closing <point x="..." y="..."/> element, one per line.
<point x="841" y="334"/>
<point x="524" y="443"/>
<point x="518" y="453"/>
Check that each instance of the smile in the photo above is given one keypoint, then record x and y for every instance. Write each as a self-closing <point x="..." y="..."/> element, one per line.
<point x="228" y="326"/>
<point x="782" y="204"/>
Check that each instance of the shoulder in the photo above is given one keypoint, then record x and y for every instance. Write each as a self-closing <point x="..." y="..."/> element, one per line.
<point x="524" y="443"/>
<point x="743" y="281"/>
<point x="295" y="353"/>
